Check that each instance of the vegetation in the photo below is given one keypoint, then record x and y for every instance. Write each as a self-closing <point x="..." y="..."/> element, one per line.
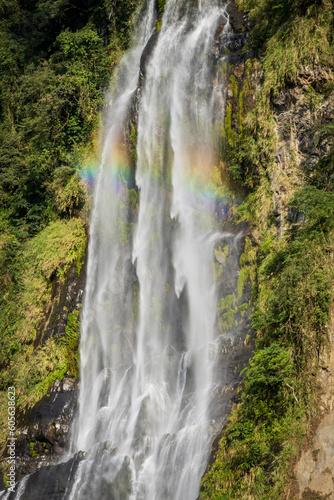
<point x="293" y="286"/>
<point x="292" y="297"/>
<point x="28" y="270"/>
<point x="71" y="341"/>
<point x="55" y="66"/>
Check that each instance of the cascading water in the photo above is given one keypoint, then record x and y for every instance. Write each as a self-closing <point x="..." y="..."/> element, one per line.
<point x="148" y="333"/>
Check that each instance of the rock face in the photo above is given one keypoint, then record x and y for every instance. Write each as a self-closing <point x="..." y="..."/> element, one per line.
<point x="301" y="110"/>
<point x="314" y="471"/>
<point x="43" y="433"/>
<point x="145" y="57"/>
<point x="296" y="110"/>
<point x="46" y="436"/>
<point x="52" y="482"/>
<point x="66" y="297"/>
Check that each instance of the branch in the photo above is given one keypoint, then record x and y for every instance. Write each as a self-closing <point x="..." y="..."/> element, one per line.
<point x="293" y="392"/>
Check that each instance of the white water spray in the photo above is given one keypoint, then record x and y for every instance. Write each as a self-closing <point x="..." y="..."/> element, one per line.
<point x="147" y="368"/>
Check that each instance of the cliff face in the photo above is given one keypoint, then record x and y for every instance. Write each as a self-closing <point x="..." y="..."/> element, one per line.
<point x="301" y="112"/>
<point x="313" y="474"/>
<point x="278" y="144"/>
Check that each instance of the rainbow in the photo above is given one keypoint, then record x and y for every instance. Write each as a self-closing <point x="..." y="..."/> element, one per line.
<point x="200" y="176"/>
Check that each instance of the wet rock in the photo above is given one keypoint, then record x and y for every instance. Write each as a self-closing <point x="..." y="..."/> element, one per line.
<point x="147" y="52"/>
<point x="220" y="28"/>
<point x="47" y="432"/>
<point x="238" y="19"/>
<point x="109" y="477"/>
<point x="65" y="298"/>
<point x="50" y="482"/>
<point x="239" y="70"/>
<point x="234" y="42"/>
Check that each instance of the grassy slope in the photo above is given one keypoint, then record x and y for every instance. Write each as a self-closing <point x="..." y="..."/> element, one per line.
<point x="294" y="286"/>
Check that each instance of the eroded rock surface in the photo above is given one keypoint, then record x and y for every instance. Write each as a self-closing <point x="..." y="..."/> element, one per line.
<point x="314" y="471"/>
<point x="300" y="114"/>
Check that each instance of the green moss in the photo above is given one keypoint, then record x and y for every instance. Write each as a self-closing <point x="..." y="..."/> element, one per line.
<point x="314" y="98"/>
<point x="227" y="302"/>
<point x="223" y="68"/>
<point x="71" y="342"/>
<point x="123" y="231"/>
<point x="33" y="451"/>
<point x="132" y="197"/>
<point x="228" y="123"/>
<point x="161" y="6"/>
<point x="56" y="247"/>
<point x="222" y="253"/>
<point x="248" y="264"/>
<point x="226" y="321"/>
<point x="226" y="310"/>
<point x="292" y="279"/>
<point x="217" y="269"/>
<point x="298" y="44"/>
<point x="34" y="265"/>
<point x="133" y="142"/>
<point x="240" y="113"/>
<point x="243" y="308"/>
<point x="234" y="86"/>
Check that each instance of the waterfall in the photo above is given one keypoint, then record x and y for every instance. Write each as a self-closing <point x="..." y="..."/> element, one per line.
<point x="149" y="368"/>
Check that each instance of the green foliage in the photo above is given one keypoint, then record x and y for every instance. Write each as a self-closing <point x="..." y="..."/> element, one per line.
<point x="71" y="341"/>
<point x="161" y="6"/>
<point x="27" y="271"/>
<point x="234" y="86"/>
<point x="255" y="445"/>
<point x="133" y="143"/>
<point x="295" y="35"/>
<point x="297" y="280"/>
<point x="271" y="16"/>
<point x="300" y="43"/>
<point x="292" y="277"/>
<point x="53" y="73"/>
<point x="56" y="247"/>
<point x="248" y="146"/>
<point x="33" y="452"/>
<point x="133" y="197"/>
<point x="56" y="58"/>
<point x="268" y="373"/>
<point x="292" y="297"/>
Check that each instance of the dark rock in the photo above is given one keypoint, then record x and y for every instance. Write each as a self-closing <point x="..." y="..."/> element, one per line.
<point x="51" y="482"/>
<point x="233" y="42"/>
<point x="65" y="298"/>
<point x="239" y="20"/>
<point x="47" y="432"/>
<point x="147" y="52"/>
<point x="296" y="109"/>
<point x="295" y="216"/>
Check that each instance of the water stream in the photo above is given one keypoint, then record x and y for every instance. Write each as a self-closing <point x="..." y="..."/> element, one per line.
<point x="148" y="330"/>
